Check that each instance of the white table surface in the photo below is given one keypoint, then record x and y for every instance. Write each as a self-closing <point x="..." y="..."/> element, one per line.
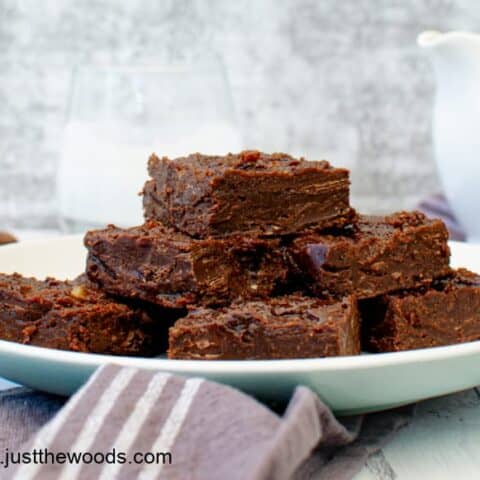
<point x="442" y="440"/>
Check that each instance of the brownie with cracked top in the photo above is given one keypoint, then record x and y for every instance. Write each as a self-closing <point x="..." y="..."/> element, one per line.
<point x="292" y="326"/>
<point x="375" y="255"/>
<point x="249" y="192"/>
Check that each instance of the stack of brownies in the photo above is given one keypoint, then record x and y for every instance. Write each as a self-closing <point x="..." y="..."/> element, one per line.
<point x="254" y="256"/>
<point x="261" y="256"/>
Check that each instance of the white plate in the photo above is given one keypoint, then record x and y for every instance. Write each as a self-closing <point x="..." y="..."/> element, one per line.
<point x="347" y="384"/>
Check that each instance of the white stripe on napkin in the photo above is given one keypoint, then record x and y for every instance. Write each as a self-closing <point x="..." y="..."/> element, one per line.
<point x="95" y="420"/>
<point x="135" y="421"/>
<point x="48" y="434"/>
<point x="172" y="426"/>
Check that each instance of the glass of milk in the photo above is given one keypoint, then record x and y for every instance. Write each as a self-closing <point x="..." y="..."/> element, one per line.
<point x="118" y="116"/>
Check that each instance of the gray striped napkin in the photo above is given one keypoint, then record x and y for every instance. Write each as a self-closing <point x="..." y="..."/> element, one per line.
<point x="134" y="424"/>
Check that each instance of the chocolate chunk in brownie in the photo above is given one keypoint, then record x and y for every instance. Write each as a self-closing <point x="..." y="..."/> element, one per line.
<point x="292" y="326"/>
<point x="162" y="266"/>
<point x="249" y="192"/>
<point x="446" y="312"/>
<point x="374" y="256"/>
<point x="75" y="316"/>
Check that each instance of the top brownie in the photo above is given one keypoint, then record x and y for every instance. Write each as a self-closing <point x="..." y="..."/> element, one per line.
<point x="250" y="192"/>
<point x="374" y="256"/>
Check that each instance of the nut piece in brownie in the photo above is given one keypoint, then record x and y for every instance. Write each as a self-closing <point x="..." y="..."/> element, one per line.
<point x="162" y="266"/>
<point x="374" y="256"/>
<point x="292" y="326"/>
<point x="72" y="316"/>
<point x="447" y="312"/>
<point x="249" y="192"/>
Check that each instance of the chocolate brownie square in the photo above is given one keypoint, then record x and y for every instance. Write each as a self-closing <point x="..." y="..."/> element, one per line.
<point x="376" y="255"/>
<point x="162" y="266"/>
<point x="250" y="192"/>
<point x="75" y="316"/>
<point x="444" y="313"/>
<point x="292" y="326"/>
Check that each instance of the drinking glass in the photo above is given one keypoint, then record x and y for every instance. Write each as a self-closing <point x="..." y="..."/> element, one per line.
<point x="118" y="116"/>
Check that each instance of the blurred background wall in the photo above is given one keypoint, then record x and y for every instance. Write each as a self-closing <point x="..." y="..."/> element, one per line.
<point x="341" y="80"/>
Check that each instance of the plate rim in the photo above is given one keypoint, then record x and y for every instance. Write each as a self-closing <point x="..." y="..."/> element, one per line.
<point x="281" y="366"/>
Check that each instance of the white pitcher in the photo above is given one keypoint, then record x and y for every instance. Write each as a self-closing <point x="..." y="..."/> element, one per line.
<point x="456" y="121"/>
